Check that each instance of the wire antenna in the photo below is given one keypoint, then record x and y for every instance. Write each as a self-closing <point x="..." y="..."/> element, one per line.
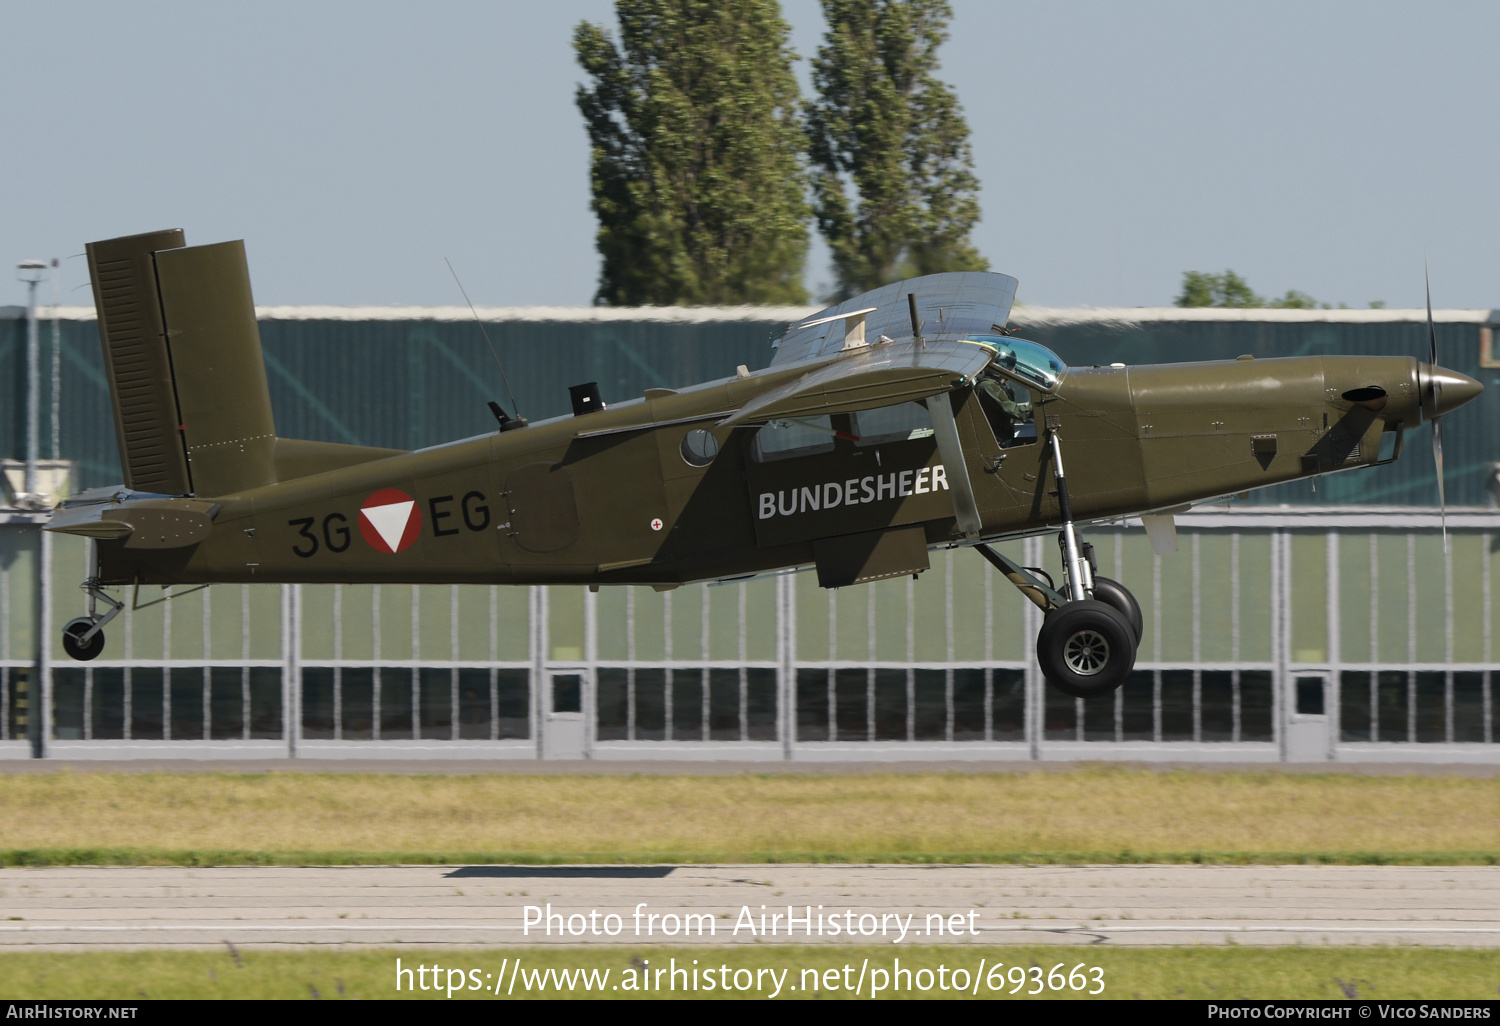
<point x="513" y="404"/>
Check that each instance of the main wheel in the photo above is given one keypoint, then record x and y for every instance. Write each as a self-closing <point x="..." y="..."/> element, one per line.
<point x="1116" y="594"/>
<point x="73" y="643"/>
<point x="1086" y="649"/>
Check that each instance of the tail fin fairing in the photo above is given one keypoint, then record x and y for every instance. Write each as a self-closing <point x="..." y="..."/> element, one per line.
<point x="219" y="373"/>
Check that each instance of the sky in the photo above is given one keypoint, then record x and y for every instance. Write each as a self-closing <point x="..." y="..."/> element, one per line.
<point x="1319" y="146"/>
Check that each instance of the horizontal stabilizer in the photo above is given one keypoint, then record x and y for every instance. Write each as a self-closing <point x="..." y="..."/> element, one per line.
<point x="144" y="524"/>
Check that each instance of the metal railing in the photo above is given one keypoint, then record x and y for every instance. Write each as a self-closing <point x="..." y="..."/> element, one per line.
<point x="1291" y="634"/>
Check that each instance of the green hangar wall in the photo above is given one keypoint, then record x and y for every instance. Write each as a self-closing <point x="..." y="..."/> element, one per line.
<point x="1302" y="626"/>
<point x="412" y="377"/>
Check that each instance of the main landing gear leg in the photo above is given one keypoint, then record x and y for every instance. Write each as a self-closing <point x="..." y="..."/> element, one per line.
<point x="1087" y="644"/>
<point x="1084" y="581"/>
<point x="1080" y="578"/>
<point x="83" y="638"/>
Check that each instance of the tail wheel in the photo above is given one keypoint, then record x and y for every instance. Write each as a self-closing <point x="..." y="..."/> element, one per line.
<point x="1116" y="594"/>
<point x="73" y="643"/>
<point x="1086" y="649"/>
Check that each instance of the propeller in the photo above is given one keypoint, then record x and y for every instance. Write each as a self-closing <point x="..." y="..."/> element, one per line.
<point x="1437" y="422"/>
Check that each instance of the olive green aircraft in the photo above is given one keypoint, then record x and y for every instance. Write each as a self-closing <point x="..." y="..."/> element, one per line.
<point x="901" y="421"/>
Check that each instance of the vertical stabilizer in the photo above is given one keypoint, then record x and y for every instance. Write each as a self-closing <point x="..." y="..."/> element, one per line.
<point x="220" y="375"/>
<point x="123" y="272"/>
<point x="186" y="374"/>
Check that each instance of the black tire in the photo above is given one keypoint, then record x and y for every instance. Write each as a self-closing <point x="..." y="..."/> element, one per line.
<point x="1086" y="649"/>
<point x="1116" y="594"/>
<point x="75" y="646"/>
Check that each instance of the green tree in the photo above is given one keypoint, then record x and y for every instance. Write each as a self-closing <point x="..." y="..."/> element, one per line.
<point x="697" y="174"/>
<point x="1295" y="300"/>
<point x="1228" y="289"/>
<point x="883" y="125"/>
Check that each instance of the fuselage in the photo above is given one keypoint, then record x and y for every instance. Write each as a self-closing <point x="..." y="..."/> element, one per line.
<point x="624" y="496"/>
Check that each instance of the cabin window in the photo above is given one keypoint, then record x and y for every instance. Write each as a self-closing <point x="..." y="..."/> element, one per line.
<point x="893" y="424"/>
<point x="699" y="447"/>
<point x="804" y="436"/>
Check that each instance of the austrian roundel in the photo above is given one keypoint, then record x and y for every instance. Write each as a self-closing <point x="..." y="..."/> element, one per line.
<point x="390" y="521"/>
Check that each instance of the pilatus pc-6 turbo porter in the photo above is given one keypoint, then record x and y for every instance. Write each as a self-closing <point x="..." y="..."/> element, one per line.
<point x="900" y="421"/>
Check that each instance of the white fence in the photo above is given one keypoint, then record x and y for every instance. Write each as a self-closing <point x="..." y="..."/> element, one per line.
<point x="1296" y="634"/>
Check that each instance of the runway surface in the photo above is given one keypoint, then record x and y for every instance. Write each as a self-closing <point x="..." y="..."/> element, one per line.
<point x="120" y="907"/>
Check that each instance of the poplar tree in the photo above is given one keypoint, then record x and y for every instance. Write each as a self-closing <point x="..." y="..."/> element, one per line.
<point x="883" y="125"/>
<point x="697" y="174"/>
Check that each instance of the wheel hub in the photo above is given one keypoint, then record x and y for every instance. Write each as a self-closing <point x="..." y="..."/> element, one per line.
<point x="1086" y="652"/>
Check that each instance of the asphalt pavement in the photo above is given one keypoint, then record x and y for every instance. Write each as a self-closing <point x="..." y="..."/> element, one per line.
<point x="149" y="907"/>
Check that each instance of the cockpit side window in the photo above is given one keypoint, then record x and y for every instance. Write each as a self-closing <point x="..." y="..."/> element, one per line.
<point x="784" y="439"/>
<point x="1008" y="407"/>
<point x="1036" y="365"/>
<point x="898" y="423"/>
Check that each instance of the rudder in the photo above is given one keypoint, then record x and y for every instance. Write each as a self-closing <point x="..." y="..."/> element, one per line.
<point x="123" y="273"/>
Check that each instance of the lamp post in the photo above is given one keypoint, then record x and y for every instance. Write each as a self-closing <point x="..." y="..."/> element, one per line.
<point x="56" y="433"/>
<point x="31" y="272"/>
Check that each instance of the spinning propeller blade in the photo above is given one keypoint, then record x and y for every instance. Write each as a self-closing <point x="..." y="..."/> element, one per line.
<point x="1437" y="422"/>
<point x="1437" y="456"/>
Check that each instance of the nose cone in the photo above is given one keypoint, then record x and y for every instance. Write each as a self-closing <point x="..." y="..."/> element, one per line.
<point x="1444" y="390"/>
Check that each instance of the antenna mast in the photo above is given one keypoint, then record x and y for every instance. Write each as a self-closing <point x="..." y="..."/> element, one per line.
<point x="503" y="377"/>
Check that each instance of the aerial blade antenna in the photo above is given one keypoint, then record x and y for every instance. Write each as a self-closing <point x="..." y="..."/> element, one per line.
<point x="1437" y="422"/>
<point x="503" y="377"/>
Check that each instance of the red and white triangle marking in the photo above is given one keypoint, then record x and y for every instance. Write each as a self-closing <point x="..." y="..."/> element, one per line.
<point x="389" y="520"/>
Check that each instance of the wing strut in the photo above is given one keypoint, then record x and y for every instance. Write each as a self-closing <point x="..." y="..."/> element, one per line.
<point x="945" y="429"/>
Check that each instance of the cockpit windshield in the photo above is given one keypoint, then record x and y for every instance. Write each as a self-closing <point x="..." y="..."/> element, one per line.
<point x="1032" y="363"/>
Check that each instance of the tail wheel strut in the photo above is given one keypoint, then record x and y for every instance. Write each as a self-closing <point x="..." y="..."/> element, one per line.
<point x="83" y="637"/>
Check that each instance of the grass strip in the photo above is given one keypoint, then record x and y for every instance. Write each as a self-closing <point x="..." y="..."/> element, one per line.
<point x="161" y="857"/>
<point x="1328" y="973"/>
<point x="1089" y="814"/>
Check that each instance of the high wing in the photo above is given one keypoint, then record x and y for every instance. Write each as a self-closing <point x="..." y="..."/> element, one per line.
<point x="951" y="305"/>
<point x="872" y="376"/>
